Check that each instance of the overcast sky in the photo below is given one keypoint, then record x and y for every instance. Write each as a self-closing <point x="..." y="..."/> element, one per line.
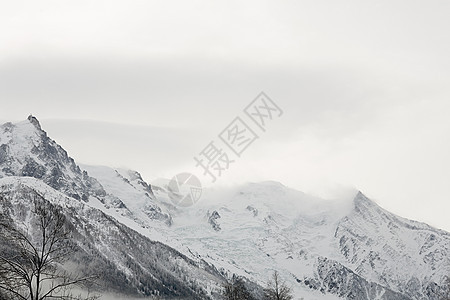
<point x="364" y="87"/>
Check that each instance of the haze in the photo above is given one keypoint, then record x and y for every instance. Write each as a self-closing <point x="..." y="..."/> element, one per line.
<point x="148" y="84"/>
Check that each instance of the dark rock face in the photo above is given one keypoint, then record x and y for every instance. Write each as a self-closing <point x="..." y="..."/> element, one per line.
<point x="212" y="220"/>
<point x="33" y="169"/>
<point x="154" y="212"/>
<point x="136" y="176"/>
<point x="253" y="210"/>
<point x="34" y="121"/>
<point x="3" y="153"/>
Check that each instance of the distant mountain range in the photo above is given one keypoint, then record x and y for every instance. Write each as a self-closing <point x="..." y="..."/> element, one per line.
<point x="144" y="245"/>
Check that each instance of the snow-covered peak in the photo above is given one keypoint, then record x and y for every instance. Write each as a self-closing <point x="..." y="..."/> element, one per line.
<point x="273" y="198"/>
<point x="22" y="135"/>
<point x="362" y="203"/>
<point x="26" y="150"/>
<point x="377" y="243"/>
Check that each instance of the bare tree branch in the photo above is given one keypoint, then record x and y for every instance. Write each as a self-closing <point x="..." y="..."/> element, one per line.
<point x="277" y="289"/>
<point x="29" y="263"/>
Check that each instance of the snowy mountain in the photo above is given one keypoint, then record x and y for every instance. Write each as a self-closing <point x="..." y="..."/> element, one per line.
<point x="347" y="249"/>
<point x="27" y="151"/>
<point x="129" y="263"/>
<point x="353" y="249"/>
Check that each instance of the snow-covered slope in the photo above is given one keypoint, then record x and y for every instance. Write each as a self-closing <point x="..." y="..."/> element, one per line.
<point x="132" y="190"/>
<point x="351" y="248"/>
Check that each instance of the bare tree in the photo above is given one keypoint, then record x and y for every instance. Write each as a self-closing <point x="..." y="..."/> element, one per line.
<point x="236" y="290"/>
<point x="33" y="253"/>
<point x="277" y="289"/>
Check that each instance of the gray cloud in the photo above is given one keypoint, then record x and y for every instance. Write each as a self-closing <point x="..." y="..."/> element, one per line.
<point x="364" y="87"/>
